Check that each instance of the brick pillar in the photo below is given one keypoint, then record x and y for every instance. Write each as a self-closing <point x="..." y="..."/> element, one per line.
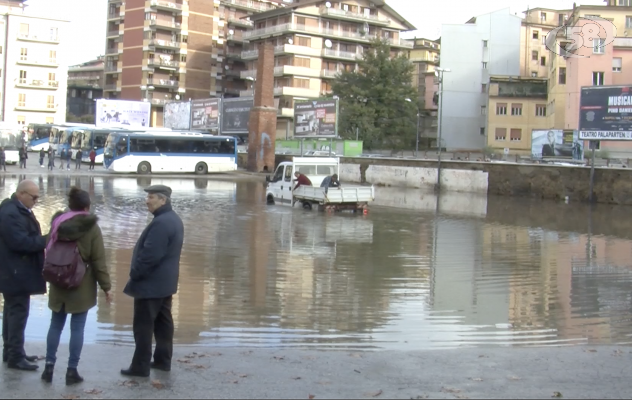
<point x="263" y="116"/>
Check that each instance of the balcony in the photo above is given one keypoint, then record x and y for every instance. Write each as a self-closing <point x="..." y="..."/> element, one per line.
<point x="30" y="107"/>
<point x="236" y="37"/>
<point x="327" y="73"/>
<point x="285" y="112"/>
<point x="622" y="42"/>
<point x="251" y="73"/>
<point x="113" y="87"/>
<point x="45" y="38"/>
<point x="250" y="5"/>
<point x="253" y="54"/>
<point x="116" y="15"/>
<point x="232" y="73"/>
<point x="112" y="69"/>
<point x="113" y="50"/>
<point x="157" y="23"/>
<point x="37" y="84"/>
<point x="241" y="22"/>
<point x="51" y="62"/>
<point x="233" y="55"/>
<point x="165" y="5"/>
<point x="164" y="43"/>
<point x="294" y="70"/>
<point x="343" y="55"/>
<point x="113" y="34"/>
<point x="163" y="83"/>
<point x="296" y="92"/>
<point x="165" y="64"/>
<point x="351" y="16"/>
<point x="233" y="91"/>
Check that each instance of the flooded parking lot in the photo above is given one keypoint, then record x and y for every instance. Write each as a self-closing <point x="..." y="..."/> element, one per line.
<point x="417" y="272"/>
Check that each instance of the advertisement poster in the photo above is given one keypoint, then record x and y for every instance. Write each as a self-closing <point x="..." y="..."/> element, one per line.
<point x="556" y="143"/>
<point x="236" y="115"/>
<point x="122" y="114"/>
<point x="315" y="118"/>
<point x="605" y="113"/>
<point x="177" y="115"/>
<point x="205" y="114"/>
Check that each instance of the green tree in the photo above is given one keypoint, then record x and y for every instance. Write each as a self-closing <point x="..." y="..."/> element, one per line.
<point x="372" y="100"/>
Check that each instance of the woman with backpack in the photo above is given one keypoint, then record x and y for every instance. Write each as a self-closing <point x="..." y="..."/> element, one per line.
<point x="79" y="226"/>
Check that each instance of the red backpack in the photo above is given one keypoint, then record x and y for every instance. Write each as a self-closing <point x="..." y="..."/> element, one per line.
<point x="63" y="265"/>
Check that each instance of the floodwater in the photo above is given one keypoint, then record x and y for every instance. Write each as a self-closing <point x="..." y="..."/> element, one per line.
<point x="415" y="273"/>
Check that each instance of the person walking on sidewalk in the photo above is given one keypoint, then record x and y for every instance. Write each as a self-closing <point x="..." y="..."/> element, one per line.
<point x="80" y="226"/>
<point x="93" y="157"/>
<point x="62" y="158"/>
<point x="3" y="159"/>
<point x="51" y="158"/>
<point x="23" y="156"/>
<point x="78" y="156"/>
<point x="154" y="272"/>
<point x="68" y="158"/>
<point x="22" y="254"/>
<point x="42" y="154"/>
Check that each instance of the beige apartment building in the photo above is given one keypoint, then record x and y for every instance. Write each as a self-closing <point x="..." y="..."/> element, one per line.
<point x="517" y="106"/>
<point x="315" y="40"/>
<point x="162" y="51"/>
<point x="425" y="58"/>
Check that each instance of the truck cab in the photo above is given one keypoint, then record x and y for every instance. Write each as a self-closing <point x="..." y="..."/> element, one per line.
<point x="280" y="185"/>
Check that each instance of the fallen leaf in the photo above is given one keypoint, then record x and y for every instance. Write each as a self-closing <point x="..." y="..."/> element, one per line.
<point x="557" y="394"/>
<point x="592" y="350"/>
<point x="450" y="390"/>
<point x="183" y="361"/>
<point x="235" y="381"/>
<point x="93" y="391"/>
<point x="243" y="376"/>
<point x="355" y="370"/>
<point x="477" y="379"/>
<point x="69" y="396"/>
<point x="189" y="356"/>
<point x="198" y="366"/>
<point x="157" y="384"/>
<point x="278" y="358"/>
<point x="296" y="378"/>
<point x="513" y="378"/>
<point x="311" y="396"/>
<point x="129" y="383"/>
<point x="379" y="392"/>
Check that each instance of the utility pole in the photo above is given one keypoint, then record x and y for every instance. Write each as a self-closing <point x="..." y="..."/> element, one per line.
<point x="439" y="73"/>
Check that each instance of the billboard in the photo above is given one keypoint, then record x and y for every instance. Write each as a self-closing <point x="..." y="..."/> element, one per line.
<point x="556" y="143"/>
<point x="315" y="118"/>
<point x="236" y="115"/>
<point x="205" y="114"/>
<point x="177" y="115"/>
<point x="605" y="113"/>
<point x="122" y="114"/>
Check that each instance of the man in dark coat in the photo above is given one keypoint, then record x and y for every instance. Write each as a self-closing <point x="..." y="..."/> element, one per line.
<point x="154" y="273"/>
<point x="22" y="254"/>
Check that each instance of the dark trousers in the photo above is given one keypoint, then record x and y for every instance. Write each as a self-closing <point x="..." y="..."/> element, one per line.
<point x="152" y="317"/>
<point x="14" y="317"/>
<point x="91" y="164"/>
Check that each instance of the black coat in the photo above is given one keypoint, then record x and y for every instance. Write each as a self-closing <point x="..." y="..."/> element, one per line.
<point x="156" y="258"/>
<point x="21" y="250"/>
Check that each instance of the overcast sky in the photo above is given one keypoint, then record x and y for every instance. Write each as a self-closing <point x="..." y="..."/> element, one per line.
<point x="87" y="26"/>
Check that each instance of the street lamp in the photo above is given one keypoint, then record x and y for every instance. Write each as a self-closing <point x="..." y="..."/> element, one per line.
<point x="439" y="73"/>
<point x="147" y="89"/>
<point x="418" y="116"/>
<point x="254" y="80"/>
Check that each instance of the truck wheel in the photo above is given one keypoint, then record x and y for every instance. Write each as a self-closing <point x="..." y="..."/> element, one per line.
<point x="201" y="168"/>
<point x="270" y="200"/>
<point x="144" y="168"/>
<point x="307" y="206"/>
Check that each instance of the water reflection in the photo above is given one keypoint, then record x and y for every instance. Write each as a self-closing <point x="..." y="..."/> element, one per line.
<point x="460" y="270"/>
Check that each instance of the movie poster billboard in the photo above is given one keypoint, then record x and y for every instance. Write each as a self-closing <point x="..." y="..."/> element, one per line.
<point x="316" y="118"/>
<point x="556" y="143"/>
<point x="122" y="114"/>
<point x="205" y="114"/>
<point x="605" y="113"/>
<point x="177" y="115"/>
<point x="236" y="115"/>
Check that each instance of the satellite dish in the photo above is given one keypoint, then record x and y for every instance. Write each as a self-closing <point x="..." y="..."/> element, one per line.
<point x="230" y="32"/>
<point x="328" y="43"/>
<point x="177" y="97"/>
<point x="328" y="4"/>
<point x="290" y="41"/>
<point x="226" y="67"/>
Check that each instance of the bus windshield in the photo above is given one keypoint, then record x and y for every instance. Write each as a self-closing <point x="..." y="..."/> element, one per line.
<point x="9" y="139"/>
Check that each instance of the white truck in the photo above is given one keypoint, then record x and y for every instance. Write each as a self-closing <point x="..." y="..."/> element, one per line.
<point x="280" y="188"/>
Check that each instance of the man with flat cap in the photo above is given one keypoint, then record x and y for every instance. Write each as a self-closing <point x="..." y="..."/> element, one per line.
<point x="154" y="272"/>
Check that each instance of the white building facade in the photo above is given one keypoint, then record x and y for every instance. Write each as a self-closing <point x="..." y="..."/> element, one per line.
<point x="486" y="45"/>
<point x="34" y="72"/>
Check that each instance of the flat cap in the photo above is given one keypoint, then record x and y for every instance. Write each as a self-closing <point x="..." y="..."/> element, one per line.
<point x="162" y="189"/>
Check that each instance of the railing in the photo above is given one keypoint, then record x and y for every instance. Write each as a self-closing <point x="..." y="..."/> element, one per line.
<point x="43" y="38"/>
<point x="255" y="53"/>
<point x="252" y="5"/>
<point x="166" y="4"/>
<point x="171" y="24"/>
<point x="164" y="63"/>
<point x="162" y="82"/>
<point x="25" y="60"/>
<point x="249" y="73"/>
<point x="111" y="68"/>
<point x="159" y="102"/>
<point x="109" y="86"/>
<point x="235" y="37"/>
<point x="38" y="83"/>
<point x="113" y="33"/>
<point x="327" y="73"/>
<point x="342" y="13"/>
<point x="340" y="54"/>
<point x="239" y="21"/>
<point x="116" y="14"/>
<point x="164" y="43"/>
<point x="234" y="54"/>
<point x="113" y="50"/>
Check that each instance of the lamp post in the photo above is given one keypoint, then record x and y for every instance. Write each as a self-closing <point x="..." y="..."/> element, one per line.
<point x="147" y="89"/>
<point x="439" y="73"/>
<point x="417" y="141"/>
<point x="253" y="80"/>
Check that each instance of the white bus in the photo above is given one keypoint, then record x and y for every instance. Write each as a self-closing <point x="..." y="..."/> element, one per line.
<point x="11" y="141"/>
<point x="163" y="152"/>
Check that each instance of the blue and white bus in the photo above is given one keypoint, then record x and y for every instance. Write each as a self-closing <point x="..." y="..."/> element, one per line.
<point x="38" y="136"/>
<point x="91" y="138"/>
<point x="61" y="136"/>
<point x="157" y="152"/>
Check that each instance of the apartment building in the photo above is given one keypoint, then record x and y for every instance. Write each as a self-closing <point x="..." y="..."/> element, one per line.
<point x="32" y="67"/>
<point x="162" y="51"/>
<point x="85" y="85"/>
<point x="314" y="41"/>
<point x="517" y="105"/>
<point x="425" y="58"/>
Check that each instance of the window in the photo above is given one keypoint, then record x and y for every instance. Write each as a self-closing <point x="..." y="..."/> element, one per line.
<point x="536" y="34"/>
<point x="22" y="77"/>
<point x="302" y="62"/>
<point x="540" y="110"/>
<point x="484" y="88"/>
<point x="300" y="21"/>
<point x="616" y="65"/>
<point x="24" y="30"/>
<point x="51" y="79"/>
<point x="304" y="41"/>
<point x="288" y="174"/>
<point x="50" y="120"/>
<point x="534" y="55"/>
<point x="543" y="16"/>
<point x="628" y="21"/>
<point x="21" y="99"/>
<point x="544" y="39"/>
<point x="482" y="131"/>
<point x="598" y="78"/>
<point x="501" y="133"/>
<point x="22" y="120"/>
<point x="515" y="135"/>
<point x="534" y="74"/>
<point x="484" y="65"/>
<point x="626" y="3"/>
<point x="53" y="33"/>
<point x="516" y="109"/>
<point x="543" y="61"/>
<point x="52" y="55"/>
<point x="23" y="54"/>
<point x="301" y="83"/>
<point x="484" y="43"/>
<point x="599" y="45"/>
<point x="183" y="58"/>
<point x="483" y="110"/>
<point x="562" y="76"/>
<point x="50" y="102"/>
<point x="73" y="93"/>
<point x="501" y="109"/>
